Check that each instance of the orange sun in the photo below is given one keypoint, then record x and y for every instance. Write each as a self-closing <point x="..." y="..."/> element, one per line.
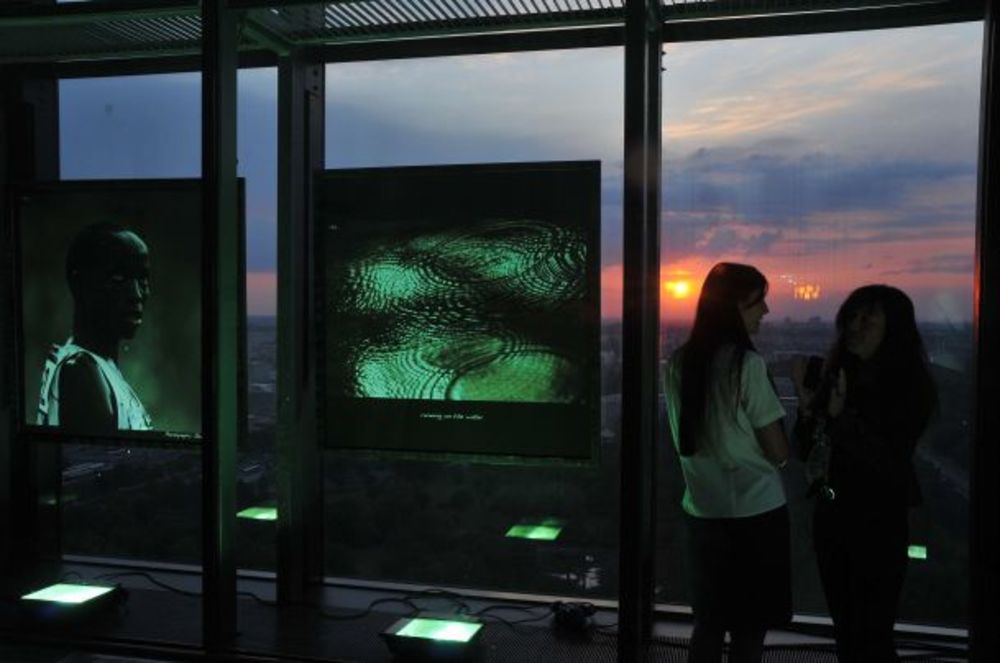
<point x="679" y="289"/>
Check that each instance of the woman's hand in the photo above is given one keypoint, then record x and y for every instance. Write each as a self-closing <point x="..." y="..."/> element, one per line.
<point x="838" y="396"/>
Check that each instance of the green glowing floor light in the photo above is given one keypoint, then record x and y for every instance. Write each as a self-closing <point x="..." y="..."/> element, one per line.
<point x="259" y="513"/>
<point x="433" y="637"/>
<point x="70" y="603"/>
<point x="548" y="529"/>
<point x="917" y="552"/>
<point x="439" y="629"/>
<point x="68" y="593"/>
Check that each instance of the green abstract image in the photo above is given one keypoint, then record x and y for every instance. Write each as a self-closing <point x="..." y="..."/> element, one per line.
<point x="478" y="314"/>
<point x="460" y="309"/>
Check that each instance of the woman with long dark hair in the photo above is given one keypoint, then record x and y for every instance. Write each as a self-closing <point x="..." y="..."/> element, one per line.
<point x="727" y="425"/>
<point x="874" y="400"/>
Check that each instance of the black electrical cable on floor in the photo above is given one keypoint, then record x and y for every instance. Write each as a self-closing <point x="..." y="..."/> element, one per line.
<point x="176" y="590"/>
<point x="149" y="578"/>
<point x="414" y="609"/>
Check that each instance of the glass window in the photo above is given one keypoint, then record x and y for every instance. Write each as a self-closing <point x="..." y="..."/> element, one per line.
<point x="257" y="154"/>
<point x="150" y="127"/>
<point x="440" y="521"/>
<point x="831" y="162"/>
<point x="124" y="128"/>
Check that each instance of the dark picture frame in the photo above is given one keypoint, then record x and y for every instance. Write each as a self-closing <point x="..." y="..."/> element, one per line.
<point x="169" y="343"/>
<point x="423" y="220"/>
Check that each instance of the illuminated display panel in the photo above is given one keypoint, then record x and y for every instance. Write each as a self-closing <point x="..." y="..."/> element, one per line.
<point x="110" y="294"/>
<point x="461" y="308"/>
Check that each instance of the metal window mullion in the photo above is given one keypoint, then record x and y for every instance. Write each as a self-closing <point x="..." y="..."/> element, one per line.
<point x="301" y="93"/>
<point x="984" y="545"/>
<point x="640" y="328"/>
<point x="221" y="271"/>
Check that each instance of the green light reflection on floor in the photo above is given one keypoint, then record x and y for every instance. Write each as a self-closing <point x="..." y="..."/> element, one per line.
<point x="259" y="513"/>
<point x="544" y="530"/>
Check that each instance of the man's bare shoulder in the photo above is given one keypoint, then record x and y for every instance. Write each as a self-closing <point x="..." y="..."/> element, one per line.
<point x="86" y="402"/>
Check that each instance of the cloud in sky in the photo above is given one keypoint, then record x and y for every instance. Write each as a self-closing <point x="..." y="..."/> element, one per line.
<point x="793" y="149"/>
<point x="949" y="263"/>
<point x="783" y="188"/>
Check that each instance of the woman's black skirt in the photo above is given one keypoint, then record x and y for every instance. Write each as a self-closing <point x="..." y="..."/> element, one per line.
<point x="740" y="570"/>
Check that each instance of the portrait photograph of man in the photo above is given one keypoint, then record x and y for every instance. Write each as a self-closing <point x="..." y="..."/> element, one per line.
<point x="111" y="307"/>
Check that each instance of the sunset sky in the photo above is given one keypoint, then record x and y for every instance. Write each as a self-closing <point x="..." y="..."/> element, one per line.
<point x="828" y="161"/>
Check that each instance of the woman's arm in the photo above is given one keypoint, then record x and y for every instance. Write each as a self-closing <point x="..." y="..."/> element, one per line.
<point x="773" y="442"/>
<point x="763" y="409"/>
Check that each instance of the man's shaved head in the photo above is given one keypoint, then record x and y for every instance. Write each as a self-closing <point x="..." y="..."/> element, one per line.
<point x="89" y="248"/>
<point x="107" y="270"/>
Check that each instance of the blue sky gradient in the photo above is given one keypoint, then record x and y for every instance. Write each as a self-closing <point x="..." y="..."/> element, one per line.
<point x="836" y="159"/>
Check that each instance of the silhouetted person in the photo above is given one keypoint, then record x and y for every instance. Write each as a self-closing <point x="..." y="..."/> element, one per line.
<point x="874" y="400"/>
<point x="727" y="425"/>
<point x="82" y="390"/>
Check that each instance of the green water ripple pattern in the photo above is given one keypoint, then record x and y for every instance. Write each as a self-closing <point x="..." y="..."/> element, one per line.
<point x="474" y="314"/>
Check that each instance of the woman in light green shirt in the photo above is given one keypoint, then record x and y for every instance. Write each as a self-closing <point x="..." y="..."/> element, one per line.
<point x="727" y="425"/>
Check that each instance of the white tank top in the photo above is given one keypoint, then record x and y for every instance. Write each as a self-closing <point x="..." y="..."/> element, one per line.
<point x="131" y="414"/>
